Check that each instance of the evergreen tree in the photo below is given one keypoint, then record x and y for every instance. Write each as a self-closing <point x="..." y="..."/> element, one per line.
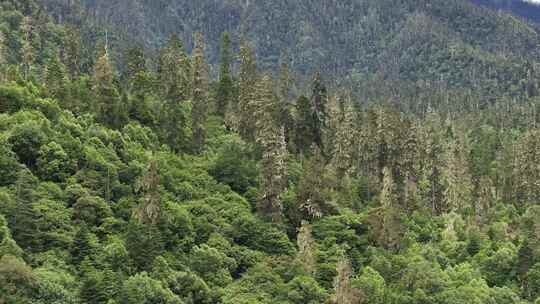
<point x="225" y="85"/>
<point x="27" y="51"/>
<point x="3" y="56"/>
<point x="344" y="293"/>
<point x="175" y="81"/>
<point x="149" y="209"/>
<point x="456" y="179"/>
<point x="286" y="118"/>
<point x="305" y="244"/>
<point x="55" y="78"/>
<point x="135" y="62"/>
<point x="22" y="222"/>
<point x="174" y="71"/>
<point x="310" y="194"/>
<point x="199" y="111"/>
<point x="304" y="125"/>
<point x="73" y="51"/>
<point x="106" y="93"/>
<point x="345" y="140"/>
<point x="247" y="79"/>
<point x="319" y="100"/>
<point x="271" y="138"/>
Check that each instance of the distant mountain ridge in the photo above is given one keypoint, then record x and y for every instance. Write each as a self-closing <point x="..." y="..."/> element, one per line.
<point x="525" y="9"/>
<point x="426" y="43"/>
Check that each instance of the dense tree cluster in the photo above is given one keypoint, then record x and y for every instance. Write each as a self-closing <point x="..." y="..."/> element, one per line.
<point x="149" y="181"/>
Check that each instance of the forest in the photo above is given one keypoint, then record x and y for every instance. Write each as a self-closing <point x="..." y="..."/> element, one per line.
<point x="378" y="163"/>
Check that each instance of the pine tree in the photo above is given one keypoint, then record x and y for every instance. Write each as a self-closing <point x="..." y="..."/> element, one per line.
<point x="286" y="118"/>
<point x="73" y="51"/>
<point x="27" y="50"/>
<point x="304" y="125"/>
<point x="199" y="110"/>
<point x="247" y="79"/>
<point x="149" y="209"/>
<point x="456" y="179"/>
<point x="319" y="99"/>
<point x="345" y="140"/>
<point x="174" y="78"/>
<point x="22" y="222"/>
<point x="344" y="293"/>
<point x="55" y="78"/>
<point x="270" y="136"/>
<point x="305" y="248"/>
<point x="3" y="56"/>
<point x="174" y="71"/>
<point x="225" y="85"/>
<point x="310" y="196"/>
<point x="107" y="96"/>
<point x="135" y="63"/>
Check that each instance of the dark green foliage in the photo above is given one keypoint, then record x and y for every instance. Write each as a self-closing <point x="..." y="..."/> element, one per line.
<point x="132" y="188"/>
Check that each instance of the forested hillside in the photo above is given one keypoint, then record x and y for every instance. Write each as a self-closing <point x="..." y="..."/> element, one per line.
<point x="409" y="45"/>
<point x="524" y="8"/>
<point x="134" y="175"/>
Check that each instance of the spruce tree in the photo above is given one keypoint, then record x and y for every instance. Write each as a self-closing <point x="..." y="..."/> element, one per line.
<point x="271" y="138"/>
<point x="135" y="62"/>
<point x="149" y="209"/>
<point x="55" y="78"/>
<point x="247" y="79"/>
<point x="225" y="88"/>
<point x="199" y="111"/>
<point x="310" y="196"/>
<point x="174" y="78"/>
<point x="319" y="100"/>
<point x="304" y="125"/>
<point x="305" y="244"/>
<point x="3" y="56"/>
<point x="27" y="51"/>
<point x="456" y="179"/>
<point x="73" y="51"/>
<point x="106" y="92"/>
<point x="344" y="293"/>
<point x="22" y="221"/>
<point x="345" y="139"/>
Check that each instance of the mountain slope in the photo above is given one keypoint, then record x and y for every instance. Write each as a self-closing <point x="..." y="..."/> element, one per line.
<point x="452" y="43"/>
<point x="525" y="9"/>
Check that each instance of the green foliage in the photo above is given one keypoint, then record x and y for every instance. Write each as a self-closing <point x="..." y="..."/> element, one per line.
<point x="131" y="187"/>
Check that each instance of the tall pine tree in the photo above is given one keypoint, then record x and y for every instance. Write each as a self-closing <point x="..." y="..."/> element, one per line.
<point x="270" y="136"/>
<point x="199" y="95"/>
<point x="225" y="88"/>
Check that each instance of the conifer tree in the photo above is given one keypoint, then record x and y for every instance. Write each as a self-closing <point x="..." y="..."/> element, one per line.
<point x="225" y="85"/>
<point x="55" y="77"/>
<point x="22" y="222"/>
<point x="310" y="198"/>
<point x="344" y="293"/>
<point x="174" y="78"/>
<point x="272" y="140"/>
<point x="149" y="209"/>
<point x="107" y="96"/>
<point x="456" y="179"/>
<point x="135" y="62"/>
<point x="345" y="137"/>
<point x="174" y="71"/>
<point x="3" y="55"/>
<point x="286" y="118"/>
<point x="305" y="248"/>
<point x="199" y="111"/>
<point x="319" y="100"/>
<point x="73" y="51"/>
<point x="27" y="50"/>
<point x="247" y="79"/>
<point x="304" y="125"/>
